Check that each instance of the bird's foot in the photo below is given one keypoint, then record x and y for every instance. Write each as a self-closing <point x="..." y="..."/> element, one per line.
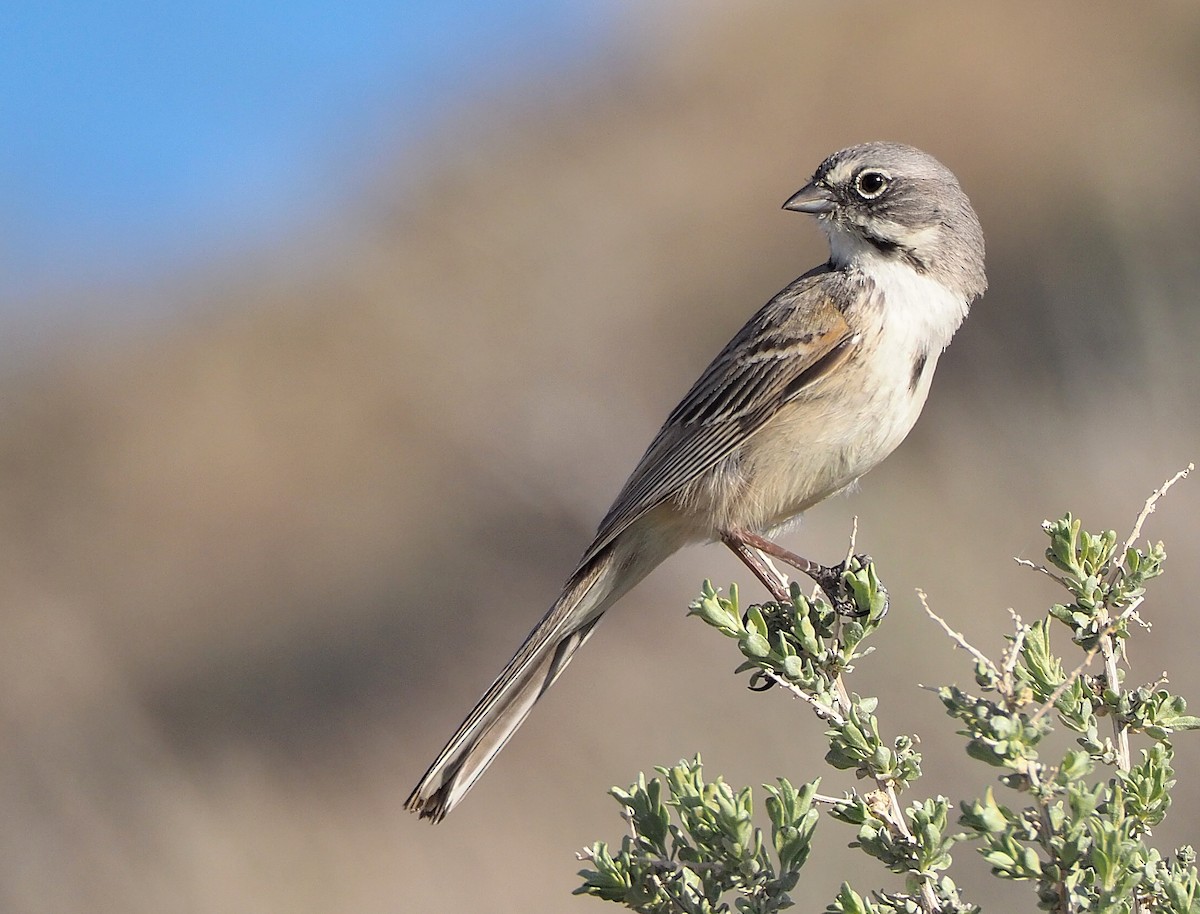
<point x="831" y="579"/>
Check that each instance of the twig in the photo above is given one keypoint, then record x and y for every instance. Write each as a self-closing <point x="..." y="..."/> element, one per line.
<point x="782" y="576"/>
<point x="853" y="540"/>
<point x="1058" y="693"/>
<point x="956" y="637"/>
<point x="1108" y="646"/>
<point x="1014" y="649"/>
<point x="895" y="813"/>
<point x="838" y="621"/>
<point x="1147" y="510"/>
<point x="1120" y="731"/>
<point x="1025" y="563"/>
<point x="827" y="800"/>
<point x="823" y="711"/>
<point x="1047" y="831"/>
<point x="1106" y="632"/>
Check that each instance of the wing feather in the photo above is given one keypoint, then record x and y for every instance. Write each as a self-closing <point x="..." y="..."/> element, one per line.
<point x="779" y="355"/>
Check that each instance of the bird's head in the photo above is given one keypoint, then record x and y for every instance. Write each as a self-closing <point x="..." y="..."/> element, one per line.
<point x="888" y="200"/>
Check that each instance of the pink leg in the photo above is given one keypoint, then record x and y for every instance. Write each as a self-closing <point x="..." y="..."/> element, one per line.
<point x="745" y="550"/>
<point x="747" y="546"/>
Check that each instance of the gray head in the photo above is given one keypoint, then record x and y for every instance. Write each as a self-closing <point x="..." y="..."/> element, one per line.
<point x="894" y="201"/>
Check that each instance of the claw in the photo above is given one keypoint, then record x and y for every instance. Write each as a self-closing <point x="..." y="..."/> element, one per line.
<point x="829" y="579"/>
<point x="747" y="547"/>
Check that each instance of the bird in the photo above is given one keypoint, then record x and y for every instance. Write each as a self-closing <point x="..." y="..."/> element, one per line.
<point x="818" y="387"/>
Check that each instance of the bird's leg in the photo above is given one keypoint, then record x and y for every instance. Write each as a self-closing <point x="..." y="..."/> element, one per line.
<point x="757" y="564"/>
<point x="817" y="572"/>
<point x="828" y="578"/>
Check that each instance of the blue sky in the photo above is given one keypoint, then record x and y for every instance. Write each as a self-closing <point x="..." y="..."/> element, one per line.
<point x="138" y="137"/>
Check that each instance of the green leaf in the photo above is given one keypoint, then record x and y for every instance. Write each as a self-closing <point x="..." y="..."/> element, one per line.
<point x="720" y="613"/>
<point x="755" y="645"/>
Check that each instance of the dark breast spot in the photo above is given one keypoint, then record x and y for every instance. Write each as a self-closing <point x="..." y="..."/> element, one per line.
<point x="918" y="369"/>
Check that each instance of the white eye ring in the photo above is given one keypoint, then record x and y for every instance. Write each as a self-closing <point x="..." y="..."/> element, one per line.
<point x="871" y="183"/>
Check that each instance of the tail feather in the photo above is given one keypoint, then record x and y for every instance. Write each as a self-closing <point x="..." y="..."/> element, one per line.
<point x="532" y="670"/>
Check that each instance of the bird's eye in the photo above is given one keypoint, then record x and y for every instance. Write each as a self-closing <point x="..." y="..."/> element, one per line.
<point x="870" y="184"/>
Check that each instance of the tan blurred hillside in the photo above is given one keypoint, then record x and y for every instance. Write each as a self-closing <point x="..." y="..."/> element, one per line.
<point x="240" y="549"/>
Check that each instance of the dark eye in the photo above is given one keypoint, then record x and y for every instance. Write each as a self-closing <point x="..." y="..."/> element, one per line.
<point x="870" y="184"/>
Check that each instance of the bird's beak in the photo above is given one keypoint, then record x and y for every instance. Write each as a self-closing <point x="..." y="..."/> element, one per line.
<point x="811" y="198"/>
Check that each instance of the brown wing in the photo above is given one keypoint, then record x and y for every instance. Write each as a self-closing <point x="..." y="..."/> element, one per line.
<point x="792" y="341"/>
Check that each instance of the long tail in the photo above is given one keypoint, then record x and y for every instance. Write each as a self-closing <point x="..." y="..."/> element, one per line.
<point x="533" y="669"/>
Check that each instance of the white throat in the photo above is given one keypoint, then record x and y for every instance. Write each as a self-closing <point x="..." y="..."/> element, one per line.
<point x="916" y="308"/>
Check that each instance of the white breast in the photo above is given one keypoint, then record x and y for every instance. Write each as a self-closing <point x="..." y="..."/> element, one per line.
<point x="918" y="312"/>
<point x="858" y="414"/>
<point x="905" y="322"/>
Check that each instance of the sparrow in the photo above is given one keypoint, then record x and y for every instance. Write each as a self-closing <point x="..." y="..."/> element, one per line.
<point x="816" y="389"/>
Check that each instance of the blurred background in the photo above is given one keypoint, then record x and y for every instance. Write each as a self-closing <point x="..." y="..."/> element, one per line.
<point x="329" y="332"/>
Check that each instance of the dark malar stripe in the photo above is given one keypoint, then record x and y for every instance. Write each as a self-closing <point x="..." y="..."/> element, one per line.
<point x="895" y="248"/>
<point x="881" y="244"/>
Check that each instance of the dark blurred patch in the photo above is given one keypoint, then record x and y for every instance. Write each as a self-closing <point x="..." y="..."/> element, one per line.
<point x="367" y="662"/>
